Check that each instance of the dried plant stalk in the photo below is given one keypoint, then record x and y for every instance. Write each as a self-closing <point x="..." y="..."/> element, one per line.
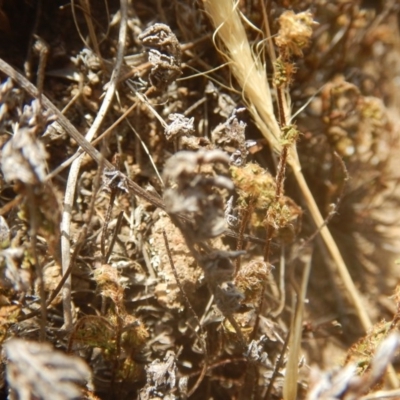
<point x="248" y="70"/>
<point x="75" y="168"/>
<point x="252" y="78"/>
<point x="292" y="370"/>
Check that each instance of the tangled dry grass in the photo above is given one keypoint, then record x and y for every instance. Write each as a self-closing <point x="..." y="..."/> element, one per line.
<point x="199" y="199"/>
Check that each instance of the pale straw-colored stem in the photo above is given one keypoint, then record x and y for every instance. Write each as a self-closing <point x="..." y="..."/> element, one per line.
<point x="75" y="168"/>
<point x="248" y="71"/>
<point x="251" y="76"/>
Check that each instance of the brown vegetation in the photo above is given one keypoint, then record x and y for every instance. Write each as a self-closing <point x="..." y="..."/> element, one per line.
<point x="199" y="199"/>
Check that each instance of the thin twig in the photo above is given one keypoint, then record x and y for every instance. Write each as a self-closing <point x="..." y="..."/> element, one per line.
<point x="277" y="368"/>
<point x="28" y="58"/>
<point x="383" y="394"/>
<point x="62" y="120"/>
<point x="114" y="237"/>
<point x="75" y="167"/>
<point x="85" y="4"/>
<point x="77" y="249"/>
<point x="145" y="148"/>
<point x="107" y="219"/>
<point x="335" y="207"/>
<point x="43" y="55"/>
<point x="80" y="151"/>
<point x="11" y="204"/>
<point x="260" y="305"/>
<point x="335" y="253"/>
<point x="292" y="370"/>
<point x="34" y="226"/>
<point x="244" y="220"/>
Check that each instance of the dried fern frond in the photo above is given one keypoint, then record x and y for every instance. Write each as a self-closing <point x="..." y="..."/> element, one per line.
<point x="35" y="369"/>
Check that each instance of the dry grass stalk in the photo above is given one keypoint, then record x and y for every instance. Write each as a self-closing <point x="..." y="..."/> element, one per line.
<point x="292" y="367"/>
<point x="75" y="167"/>
<point x="248" y="70"/>
<point x="257" y="93"/>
